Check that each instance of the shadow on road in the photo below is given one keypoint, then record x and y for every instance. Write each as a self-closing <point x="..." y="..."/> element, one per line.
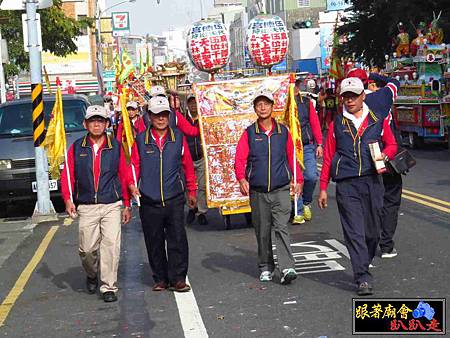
<point x="74" y="277"/>
<point x="243" y="262"/>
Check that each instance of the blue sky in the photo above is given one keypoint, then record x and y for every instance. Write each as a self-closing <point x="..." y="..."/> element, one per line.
<point x="146" y="16"/>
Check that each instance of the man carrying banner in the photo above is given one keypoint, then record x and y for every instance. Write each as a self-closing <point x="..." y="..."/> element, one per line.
<point x="160" y="155"/>
<point x="99" y="179"/>
<point x="195" y="147"/>
<point x="264" y="165"/>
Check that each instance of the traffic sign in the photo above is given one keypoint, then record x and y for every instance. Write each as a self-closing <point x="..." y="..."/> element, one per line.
<point x="18" y="5"/>
<point x="120" y="23"/>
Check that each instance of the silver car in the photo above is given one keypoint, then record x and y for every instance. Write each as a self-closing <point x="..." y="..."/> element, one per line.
<point x="17" y="164"/>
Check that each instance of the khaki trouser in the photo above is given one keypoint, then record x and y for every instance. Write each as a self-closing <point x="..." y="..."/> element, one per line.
<point x="199" y="167"/>
<point x="99" y="235"/>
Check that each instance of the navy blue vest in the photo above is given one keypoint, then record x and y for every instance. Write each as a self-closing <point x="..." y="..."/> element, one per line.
<point x="303" y="116"/>
<point x="352" y="157"/>
<point x="267" y="165"/>
<point x="161" y="172"/>
<point x="109" y="189"/>
<point x="195" y="143"/>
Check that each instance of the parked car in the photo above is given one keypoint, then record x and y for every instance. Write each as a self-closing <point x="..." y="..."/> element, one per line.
<point x="17" y="158"/>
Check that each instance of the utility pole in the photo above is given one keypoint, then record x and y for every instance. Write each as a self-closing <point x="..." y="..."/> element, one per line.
<point x="2" y="74"/>
<point x="44" y="210"/>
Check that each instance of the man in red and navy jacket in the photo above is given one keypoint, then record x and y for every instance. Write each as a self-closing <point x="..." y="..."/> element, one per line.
<point x="176" y="118"/>
<point x="137" y="121"/>
<point x="264" y="165"/>
<point x="99" y="181"/>
<point x="383" y="98"/>
<point x="160" y="155"/>
<point x="359" y="189"/>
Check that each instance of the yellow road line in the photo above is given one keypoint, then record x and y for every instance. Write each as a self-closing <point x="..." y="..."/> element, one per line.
<point x="18" y="288"/>
<point x="420" y="201"/>
<point x="432" y="199"/>
<point x="428" y="204"/>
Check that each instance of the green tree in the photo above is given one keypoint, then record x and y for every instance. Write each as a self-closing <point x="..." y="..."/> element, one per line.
<point x="58" y="34"/>
<point x="372" y="26"/>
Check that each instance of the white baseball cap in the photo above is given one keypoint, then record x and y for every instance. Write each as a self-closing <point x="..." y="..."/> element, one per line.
<point x="158" y="104"/>
<point x="132" y="104"/>
<point x="96" y="110"/>
<point x="157" y="91"/>
<point x="264" y="93"/>
<point x="352" y="85"/>
<point x="190" y="96"/>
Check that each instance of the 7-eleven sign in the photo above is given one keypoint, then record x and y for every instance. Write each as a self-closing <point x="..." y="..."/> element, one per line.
<point x="120" y="23"/>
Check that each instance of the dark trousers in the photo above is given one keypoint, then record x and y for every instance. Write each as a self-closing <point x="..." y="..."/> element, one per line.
<point x="360" y="203"/>
<point x="161" y="226"/>
<point x="391" y="204"/>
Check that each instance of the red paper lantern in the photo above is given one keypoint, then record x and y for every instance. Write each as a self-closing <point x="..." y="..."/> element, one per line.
<point x="267" y="40"/>
<point x="208" y="45"/>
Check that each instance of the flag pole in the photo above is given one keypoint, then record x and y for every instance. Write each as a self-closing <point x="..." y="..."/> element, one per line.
<point x="295" y="167"/>
<point x="133" y="170"/>
<point x="69" y="180"/>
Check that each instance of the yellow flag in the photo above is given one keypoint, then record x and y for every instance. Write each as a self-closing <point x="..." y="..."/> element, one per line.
<point x="141" y="64"/>
<point x="292" y="121"/>
<point x="127" y="132"/>
<point x="55" y="139"/>
<point x="128" y="67"/>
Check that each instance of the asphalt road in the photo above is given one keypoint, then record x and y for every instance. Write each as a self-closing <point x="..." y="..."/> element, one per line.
<point x="230" y="300"/>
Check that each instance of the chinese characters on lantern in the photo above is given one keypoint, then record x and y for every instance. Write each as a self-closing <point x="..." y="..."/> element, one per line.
<point x="267" y="40"/>
<point x="208" y="45"/>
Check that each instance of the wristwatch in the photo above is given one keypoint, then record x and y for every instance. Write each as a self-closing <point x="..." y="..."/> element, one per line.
<point x="320" y="145"/>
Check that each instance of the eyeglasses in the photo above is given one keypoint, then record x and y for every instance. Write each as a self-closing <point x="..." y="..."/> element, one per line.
<point x="97" y="120"/>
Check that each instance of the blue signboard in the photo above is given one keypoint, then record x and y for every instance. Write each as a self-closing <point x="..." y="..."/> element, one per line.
<point x="282" y="66"/>
<point x="338" y="5"/>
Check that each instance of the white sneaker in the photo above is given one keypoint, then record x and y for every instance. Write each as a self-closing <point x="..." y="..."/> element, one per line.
<point x="391" y="254"/>
<point x="288" y="276"/>
<point x="266" y="276"/>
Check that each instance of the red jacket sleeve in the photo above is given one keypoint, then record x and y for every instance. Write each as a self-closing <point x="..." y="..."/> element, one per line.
<point x="124" y="178"/>
<point x="140" y="127"/>
<point x="328" y="154"/>
<point x="315" y="124"/>
<point x="135" y="163"/>
<point x="388" y="138"/>
<point x="69" y="165"/>
<point x="188" y="166"/>
<point x="119" y="132"/>
<point x="240" y="160"/>
<point x="185" y="127"/>
<point x="290" y="157"/>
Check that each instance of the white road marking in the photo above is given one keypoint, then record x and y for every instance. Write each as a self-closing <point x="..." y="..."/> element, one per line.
<point x="338" y="245"/>
<point x="191" y="319"/>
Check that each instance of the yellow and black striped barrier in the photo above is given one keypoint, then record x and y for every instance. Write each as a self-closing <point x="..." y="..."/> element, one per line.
<point x="38" y="114"/>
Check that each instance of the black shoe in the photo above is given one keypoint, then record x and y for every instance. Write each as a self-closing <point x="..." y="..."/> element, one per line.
<point x="109" y="297"/>
<point x="91" y="285"/>
<point x="191" y="216"/>
<point x="202" y="219"/>
<point x="364" y="289"/>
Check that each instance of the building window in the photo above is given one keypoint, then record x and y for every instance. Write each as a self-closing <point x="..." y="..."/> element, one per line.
<point x="303" y="3"/>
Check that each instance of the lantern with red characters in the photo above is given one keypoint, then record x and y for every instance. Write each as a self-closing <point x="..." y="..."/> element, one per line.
<point x="267" y="40"/>
<point x="208" y="45"/>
